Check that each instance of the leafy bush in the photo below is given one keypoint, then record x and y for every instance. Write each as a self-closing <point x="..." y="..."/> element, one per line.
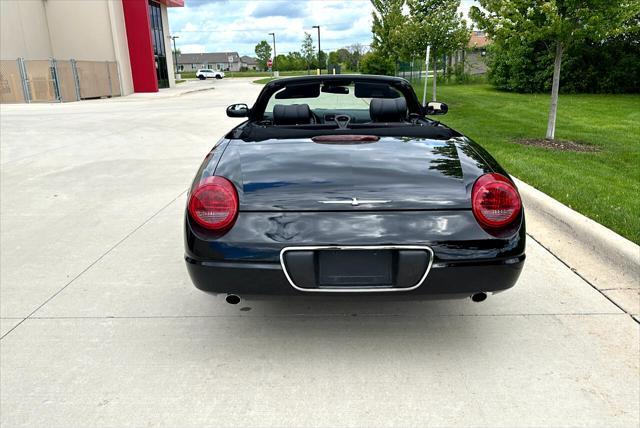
<point x="461" y="75"/>
<point x="374" y="63"/>
<point x="611" y="67"/>
<point x="527" y="66"/>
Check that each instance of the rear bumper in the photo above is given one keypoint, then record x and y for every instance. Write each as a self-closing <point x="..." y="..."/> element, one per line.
<point x="269" y="278"/>
<point x="247" y="259"/>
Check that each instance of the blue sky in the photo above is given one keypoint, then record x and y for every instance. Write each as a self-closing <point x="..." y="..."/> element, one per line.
<point x="238" y="25"/>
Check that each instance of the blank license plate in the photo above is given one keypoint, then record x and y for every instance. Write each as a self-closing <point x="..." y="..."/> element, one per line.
<point x="355" y="268"/>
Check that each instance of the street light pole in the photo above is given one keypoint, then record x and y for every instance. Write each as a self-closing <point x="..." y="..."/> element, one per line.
<point x="275" y="54"/>
<point x="319" y="50"/>
<point x="175" y="54"/>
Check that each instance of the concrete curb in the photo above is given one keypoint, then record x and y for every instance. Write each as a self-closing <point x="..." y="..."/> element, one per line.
<point x="610" y="262"/>
<point x="617" y="249"/>
<point x="195" y="90"/>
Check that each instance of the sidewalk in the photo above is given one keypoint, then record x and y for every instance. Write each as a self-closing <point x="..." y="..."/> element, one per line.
<point x="186" y="87"/>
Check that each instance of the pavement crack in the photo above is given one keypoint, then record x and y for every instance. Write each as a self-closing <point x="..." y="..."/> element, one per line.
<point x="113" y="247"/>
<point x="575" y="271"/>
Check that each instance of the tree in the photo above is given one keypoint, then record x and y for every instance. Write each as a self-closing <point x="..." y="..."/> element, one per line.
<point x="435" y="23"/>
<point x="374" y="63"/>
<point x="297" y="61"/>
<point x="263" y="52"/>
<point x="308" y="51"/>
<point x="563" y="23"/>
<point x="283" y="62"/>
<point x="356" y="50"/>
<point x="388" y="22"/>
<point x="323" y="60"/>
<point x="343" y="56"/>
<point x="333" y="58"/>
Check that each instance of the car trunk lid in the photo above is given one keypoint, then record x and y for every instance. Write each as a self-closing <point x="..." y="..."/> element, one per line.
<point x="392" y="173"/>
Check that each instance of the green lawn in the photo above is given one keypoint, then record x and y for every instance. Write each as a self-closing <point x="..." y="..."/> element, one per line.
<point x="604" y="186"/>
<point x="264" y="81"/>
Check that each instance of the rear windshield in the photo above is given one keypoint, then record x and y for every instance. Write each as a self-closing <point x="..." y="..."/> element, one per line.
<point x="324" y="98"/>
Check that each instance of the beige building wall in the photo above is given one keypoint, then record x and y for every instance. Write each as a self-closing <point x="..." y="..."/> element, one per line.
<point x="120" y="46"/>
<point x="23" y="30"/>
<point x="85" y="30"/>
<point x="80" y="29"/>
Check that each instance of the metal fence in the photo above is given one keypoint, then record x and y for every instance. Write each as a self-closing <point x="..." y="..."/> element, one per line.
<point x="52" y="80"/>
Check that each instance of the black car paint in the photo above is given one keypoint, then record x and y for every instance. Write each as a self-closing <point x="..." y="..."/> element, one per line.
<point x="428" y="182"/>
<point x="413" y="174"/>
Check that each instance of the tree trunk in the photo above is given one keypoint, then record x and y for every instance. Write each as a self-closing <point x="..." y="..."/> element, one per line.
<point x="449" y="67"/>
<point x="444" y="66"/>
<point x="435" y="75"/>
<point x="551" y="124"/>
<point x="411" y="72"/>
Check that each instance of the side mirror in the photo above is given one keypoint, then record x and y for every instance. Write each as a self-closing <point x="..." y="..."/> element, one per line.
<point x="238" y="110"/>
<point x="434" y="108"/>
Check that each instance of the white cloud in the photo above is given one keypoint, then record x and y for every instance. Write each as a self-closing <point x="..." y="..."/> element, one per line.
<point x="238" y="25"/>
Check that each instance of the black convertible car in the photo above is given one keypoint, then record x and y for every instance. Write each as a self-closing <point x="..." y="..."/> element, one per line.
<point x="343" y="184"/>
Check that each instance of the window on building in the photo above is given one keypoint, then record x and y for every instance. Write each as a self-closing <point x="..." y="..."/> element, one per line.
<point x="157" y="36"/>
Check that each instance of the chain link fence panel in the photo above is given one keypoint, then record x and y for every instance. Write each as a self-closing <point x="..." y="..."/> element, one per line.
<point x="57" y="81"/>
<point x="11" y="90"/>
<point x="66" y="81"/>
<point x="40" y="80"/>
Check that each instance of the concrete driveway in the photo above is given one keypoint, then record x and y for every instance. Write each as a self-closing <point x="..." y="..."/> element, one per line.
<point x="102" y="327"/>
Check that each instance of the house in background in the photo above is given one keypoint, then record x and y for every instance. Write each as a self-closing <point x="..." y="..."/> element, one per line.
<point x="249" y="63"/>
<point x="222" y="61"/>
<point x="476" y="51"/>
<point x="478" y="40"/>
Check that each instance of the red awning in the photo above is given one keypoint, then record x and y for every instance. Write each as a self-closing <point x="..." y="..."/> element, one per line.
<point x="172" y="3"/>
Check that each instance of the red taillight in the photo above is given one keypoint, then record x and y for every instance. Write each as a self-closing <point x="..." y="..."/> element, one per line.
<point x="495" y="201"/>
<point x="214" y="203"/>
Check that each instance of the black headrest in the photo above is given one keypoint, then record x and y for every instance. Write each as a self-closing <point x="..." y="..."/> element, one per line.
<point x="294" y="114"/>
<point x="388" y="109"/>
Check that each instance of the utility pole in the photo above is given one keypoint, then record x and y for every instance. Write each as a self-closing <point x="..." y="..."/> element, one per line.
<point x="175" y="54"/>
<point x="275" y="54"/>
<point x="319" y="50"/>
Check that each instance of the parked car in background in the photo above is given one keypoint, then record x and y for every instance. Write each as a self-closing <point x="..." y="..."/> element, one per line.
<point x="204" y="73"/>
<point x="344" y="184"/>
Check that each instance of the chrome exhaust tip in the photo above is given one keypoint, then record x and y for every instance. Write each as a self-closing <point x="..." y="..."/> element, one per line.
<point x="232" y="299"/>
<point x="479" y="297"/>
